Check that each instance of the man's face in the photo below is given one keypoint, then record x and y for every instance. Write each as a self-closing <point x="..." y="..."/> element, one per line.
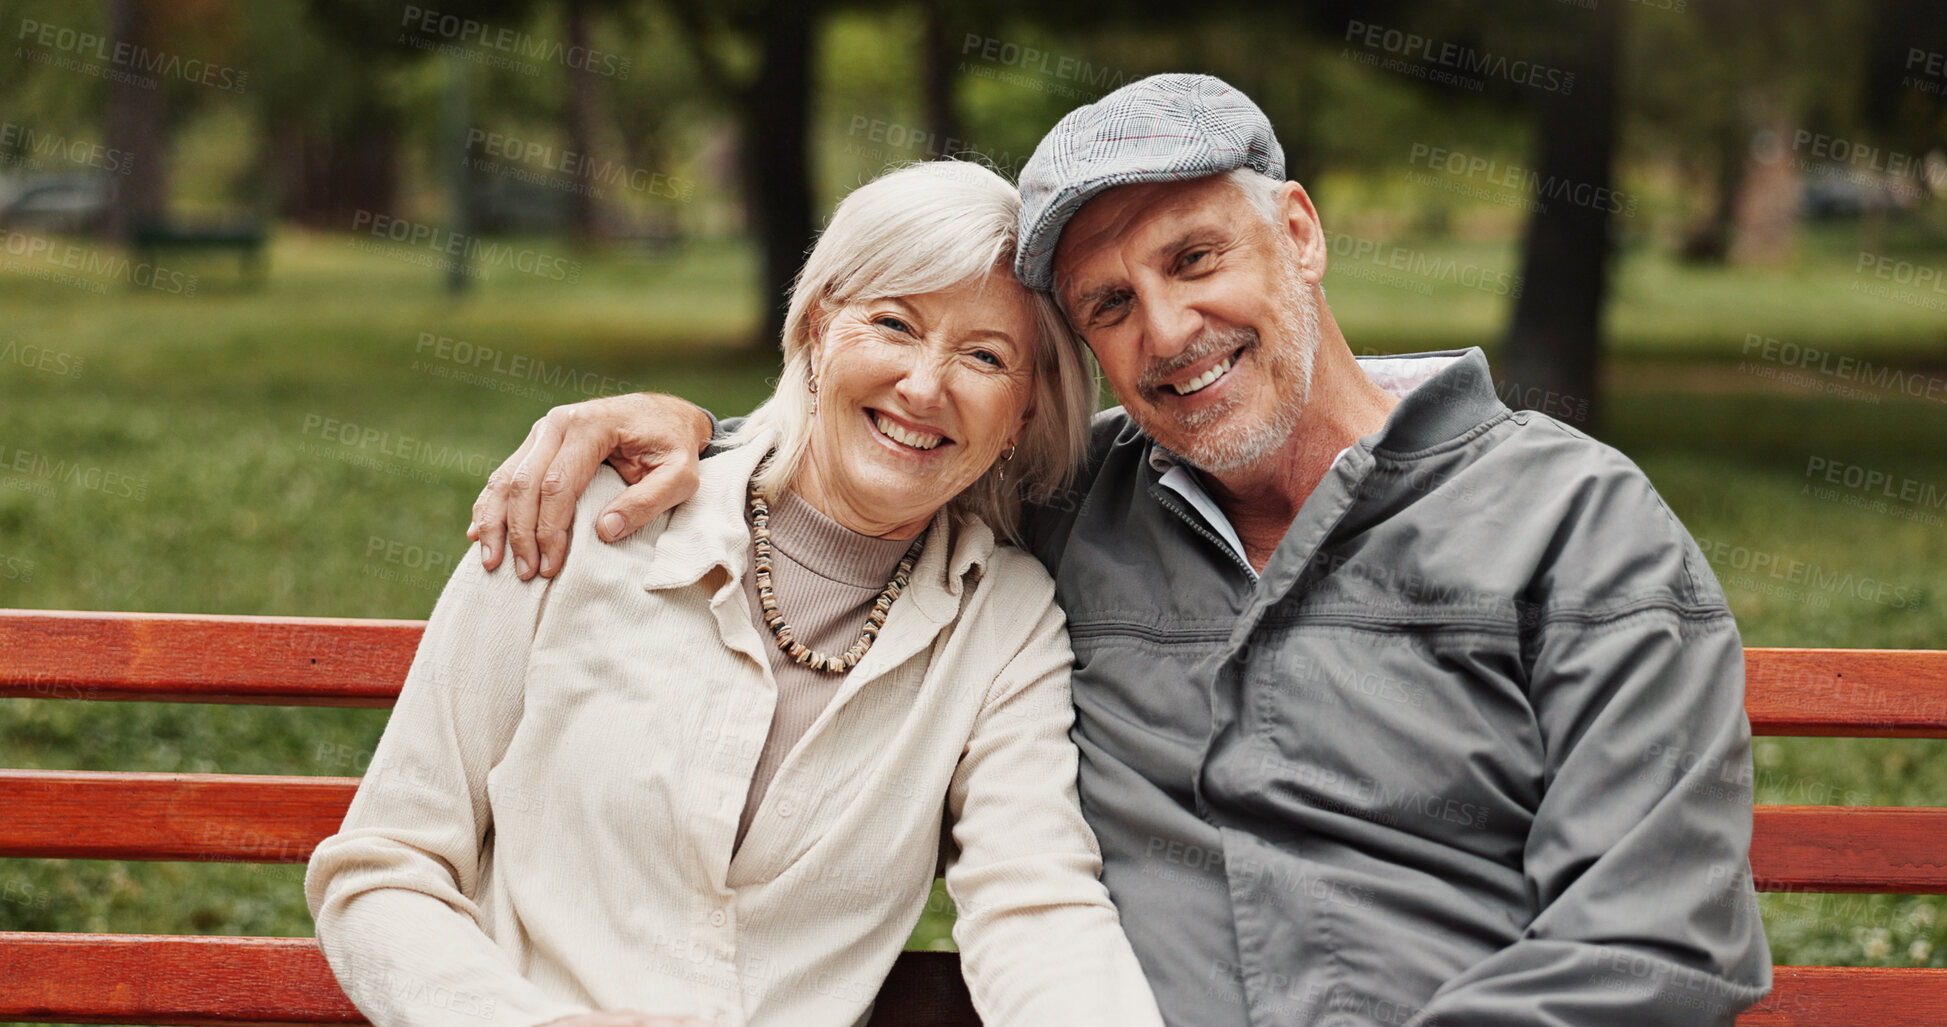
<point x="1203" y="316"/>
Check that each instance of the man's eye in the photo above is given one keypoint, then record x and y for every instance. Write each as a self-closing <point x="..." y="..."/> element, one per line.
<point x="889" y="321"/>
<point x="1110" y="306"/>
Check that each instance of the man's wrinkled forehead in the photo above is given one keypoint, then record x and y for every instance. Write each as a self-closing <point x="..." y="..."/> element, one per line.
<point x="1135" y="219"/>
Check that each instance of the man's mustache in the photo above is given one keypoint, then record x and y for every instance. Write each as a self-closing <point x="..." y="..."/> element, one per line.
<point x="1207" y="343"/>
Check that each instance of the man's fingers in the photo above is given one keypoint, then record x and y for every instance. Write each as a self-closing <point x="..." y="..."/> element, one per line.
<point x="576" y="459"/>
<point x="489" y="527"/>
<point x="664" y="487"/>
<point x="524" y="493"/>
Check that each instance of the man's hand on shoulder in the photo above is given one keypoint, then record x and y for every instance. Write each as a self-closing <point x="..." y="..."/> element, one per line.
<point x="653" y="440"/>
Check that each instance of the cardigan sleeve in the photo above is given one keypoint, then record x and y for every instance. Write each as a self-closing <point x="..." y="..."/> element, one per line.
<point x="1040" y="942"/>
<point x="393" y="891"/>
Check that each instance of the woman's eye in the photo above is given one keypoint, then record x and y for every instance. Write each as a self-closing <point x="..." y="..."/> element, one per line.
<point x="987" y="357"/>
<point x="1192" y="257"/>
<point x="893" y="323"/>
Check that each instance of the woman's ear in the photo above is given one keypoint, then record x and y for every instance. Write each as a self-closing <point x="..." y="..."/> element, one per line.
<point x="1021" y="426"/>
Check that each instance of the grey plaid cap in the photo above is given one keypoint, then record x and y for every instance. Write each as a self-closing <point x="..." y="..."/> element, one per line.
<point x="1164" y="128"/>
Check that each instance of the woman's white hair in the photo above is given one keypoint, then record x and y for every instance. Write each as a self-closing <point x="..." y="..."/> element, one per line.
<point x="918" y="229"/>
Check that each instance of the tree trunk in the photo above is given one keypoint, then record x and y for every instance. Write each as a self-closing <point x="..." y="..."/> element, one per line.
<point x="1709" y="241"/>
<point x="583" y="115"/>
<point x="1554" y="343"/>
<point x="135" y="126"/>
<point x="1765" y="215"/>
<point x="776" y="164"/>
<point x="938" y="65"/>
<point x="327" y="177"/>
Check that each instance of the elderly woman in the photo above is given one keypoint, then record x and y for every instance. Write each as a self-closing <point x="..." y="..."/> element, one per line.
<point x="703" y="773"/>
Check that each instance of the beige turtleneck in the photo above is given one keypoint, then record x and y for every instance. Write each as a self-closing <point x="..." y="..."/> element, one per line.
<point x="826" y="578"/>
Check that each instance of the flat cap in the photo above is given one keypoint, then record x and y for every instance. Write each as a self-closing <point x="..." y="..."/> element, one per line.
<point x="1164" y="128"/>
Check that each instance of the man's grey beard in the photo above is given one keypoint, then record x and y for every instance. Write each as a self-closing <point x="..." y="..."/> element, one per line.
<point x="1195" y="437"/>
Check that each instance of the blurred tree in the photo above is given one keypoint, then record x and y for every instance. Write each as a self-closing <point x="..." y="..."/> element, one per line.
<point x="758" y="53"/>
<point x="937" y="67"/>
<point x="1720" y="91"/>
<point x="1554" y="342"/>
<point x="584" y="112"/>
<point x="1905" y="99"/>
<point x="334" y="133"/>
<point x="136" y="119"/>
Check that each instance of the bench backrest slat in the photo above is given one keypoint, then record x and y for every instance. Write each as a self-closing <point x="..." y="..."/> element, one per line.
<point x="233" y="817"/>
<point x="318" y="661"/>
<point x="71" y="814"/>
<point x="290" y="661"/>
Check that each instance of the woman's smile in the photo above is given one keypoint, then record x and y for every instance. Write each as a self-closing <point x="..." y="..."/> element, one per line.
<point x="905" y="437"/>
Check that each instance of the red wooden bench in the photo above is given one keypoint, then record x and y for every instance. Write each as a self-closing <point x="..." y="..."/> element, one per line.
<point x="156" y="979"/>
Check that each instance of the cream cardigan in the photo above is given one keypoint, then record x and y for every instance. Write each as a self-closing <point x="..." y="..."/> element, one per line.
<point x="546" y="825"/>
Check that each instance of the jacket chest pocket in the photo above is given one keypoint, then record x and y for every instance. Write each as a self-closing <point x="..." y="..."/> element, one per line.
<point x="1423" y="733"/>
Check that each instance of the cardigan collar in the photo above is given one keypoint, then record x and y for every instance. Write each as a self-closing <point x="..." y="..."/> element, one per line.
<point x="709" y="531"/>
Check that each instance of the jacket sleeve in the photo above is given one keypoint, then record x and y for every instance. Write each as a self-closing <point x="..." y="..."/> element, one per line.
<point x="1638" y="856"/>
<point x="1040" y="942"/>
<point x="393" y="891"/>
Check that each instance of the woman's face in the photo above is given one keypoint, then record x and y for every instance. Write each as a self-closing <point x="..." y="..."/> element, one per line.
<point x="917" y="398"/>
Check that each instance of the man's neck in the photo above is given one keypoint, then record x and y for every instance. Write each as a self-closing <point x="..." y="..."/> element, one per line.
<point x="1263" y="499"/>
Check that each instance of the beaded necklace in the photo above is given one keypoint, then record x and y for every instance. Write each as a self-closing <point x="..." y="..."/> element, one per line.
<point x="760" y="535"/>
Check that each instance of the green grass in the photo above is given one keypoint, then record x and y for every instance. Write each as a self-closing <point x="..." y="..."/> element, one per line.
<point x="185" y="467"/>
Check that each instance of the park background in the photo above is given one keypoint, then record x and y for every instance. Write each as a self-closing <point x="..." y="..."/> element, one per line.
<point x="1709" y="232"/>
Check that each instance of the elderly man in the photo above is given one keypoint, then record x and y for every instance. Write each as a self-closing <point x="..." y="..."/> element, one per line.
<point x="1395" y="706"/>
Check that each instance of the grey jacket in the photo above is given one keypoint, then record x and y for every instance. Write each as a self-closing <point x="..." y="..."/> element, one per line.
<point x="1473" y="751"/>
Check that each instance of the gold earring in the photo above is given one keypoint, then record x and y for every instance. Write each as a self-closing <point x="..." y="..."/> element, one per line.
<point x="1000" y="469"/>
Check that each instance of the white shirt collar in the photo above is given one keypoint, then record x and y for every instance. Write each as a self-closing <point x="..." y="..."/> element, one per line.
<point x="1397" y="375"/>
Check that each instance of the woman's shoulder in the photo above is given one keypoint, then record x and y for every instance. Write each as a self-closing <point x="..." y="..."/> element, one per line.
<point x="1013" y="578"/>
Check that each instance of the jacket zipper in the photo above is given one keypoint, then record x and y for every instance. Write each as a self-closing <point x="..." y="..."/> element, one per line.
<point x="1196" y="525"/>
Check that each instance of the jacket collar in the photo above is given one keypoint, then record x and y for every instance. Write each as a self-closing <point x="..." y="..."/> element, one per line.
<point x="1451" y="401"/>
<point x="708" y="531"/>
